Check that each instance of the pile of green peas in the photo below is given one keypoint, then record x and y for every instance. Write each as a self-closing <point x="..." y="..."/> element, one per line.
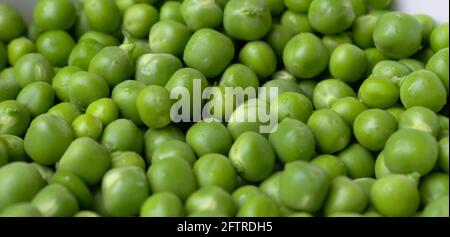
<point x="85" y="129"/>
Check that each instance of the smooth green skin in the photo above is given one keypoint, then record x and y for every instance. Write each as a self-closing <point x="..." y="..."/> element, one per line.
<point x="393" y="70"/>
<point x="276" y="7"/>
<point x="362" y="31"/>
<point x="19" y="182"/>
<point x="373" y="127"/>
<point x="47" y="138"/>
<point x="38" y="97"/>
<point x="443" y="154"/>
<point x="259" y="57"/>
<point x="396" y="111"/>
<point x="122" y="135"/>
<point x="333" y="166"/>
<point x="239" y="75"/>
<point x="292" y="105"/>
<point x="359" y="7"/>
<point x="65" y="110"/>
<point x="174" y="149"/>
<point x="87" y="159"/>
<point x="85" y="88"/>
<point x="18" y="48"/>
<point x="437" y="208"/>
<point x="296" y="22"/>
<point x="113" y="64"/>
<point x="198" y="14"/>
<point x="298" y="5"/>
<point x="428" y="25"/>
<point x="246" y="20"/>
<point x="244" y="193"/>
<point x="415" y="91"/>
<point x="240" y="121"/>
<point x="278" y="37"/>
<point x="156" y="69"/>
<point x="413" y="64"/>
<point x="55" y="200"/>
<point x="162" y="205"/>
<point x="331" y="16"/>
<point x="439" y="65"/>
<point x="444" y="125"/>
<point x="104" y="109"/>
<point x="379" y="92"/>
<point x="55" y="46"/>
<point x="259" y="205"/>
<point x="171" y="37"/>
<point x="420" y="118"/>
<point x="398" y="35"/>
<point x="118" y="184"/>
<point x="292" y="140"/>
<point x="395" y="195"/>
<point x="211" y="198"/>
<point x="439" y="37"/>
<point x="373" y="56"/>
<point x="135" y="48"/>
<point x="16" y="150"/>
<point x="209" y="137"/>
<point x="328" y="91"/>
<point x="124" y="95"/>
<point x="82" y="54"/>
<point x="138" y="19"/>
<point x="14" y="118"/>
<point x="358" y="161"/>
<point x="345" y="195"/>
<point x="433" y="187"/>
<point x="379" y="4"/>
<point x="380" y="167"/>
<point x="85" y="214"/>
<point x="54" y="14"/>
<point x="4" y="153"/>
<point x="331" y="42"/>
<point x="271" y="186"/>
<point x="103" y="38"/>
<point x="303" y="186"/>
<point x="9" y="87"/>
<point x="127" y="158"/>
<point x="27" y="68"/>
<point x="103" y="15"/>
<point x="153" y="105"/>
<point x="215" y="170"/>
<point x="305" y="56"/>
<point x="87" y="125"/>
<point x="282" y="85"/>
<point x="173" y="175"/>
<point x="170" y="10"/>
<point x="252" y="156"/>
<point x="348" y="108"/>
<point x="348" y="63"/>
<point x="155" y="137"/>
<point x="12" y="24"/>
<point x="330" y="130"/>
<point x="76" y="186"/>
<point x="410" y="150"/>
<point x="60" y="82"/>
<point x="24" y="209"/>
<point x="45" y="171"/>
<point x="198" y="53"/>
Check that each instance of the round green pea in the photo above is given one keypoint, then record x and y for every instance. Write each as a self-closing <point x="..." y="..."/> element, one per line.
<point x="103" y="15"/>
<point x="54" y="14"/>
<point x="139" y="18"/>
<point x="85" y="88"/>
<point x="60" y="82"/>
<point x="124" y="95"/>
<point x="362" y="31"/>
<point x="298" y="5"/>
<point x="9" y="87"/>
<point x="153" y="138"/>
<point x="433" y="187"/>
<point x="273" y="88"/>
<point x="75" y="185"/>
<point x="345" y="195"/>
<point x="216" y="170"/>
<point x="55" y="200"/>
<point x="296" y="22"/>
<point x="439" y="65"/>
<point x="420" y="118"/>
<point x="396" y="111"/>
<point x="331" y="42"/>
<point x="333" y="166"/>
<point x="87" y="125"/>
<point x="211" y="198"/>
<point x="373" y="127"/>
<point x="292" y="105"/>
<point x="358" y="161"/>
<point x="348" y="63"/>
<point x="437" y="208"/>
<point x="55" y="46"/>
<point x="170" y="10"/>
<point x="14" y="118"/>
<point x="439" y="37"/>
<point x="82" y="54"/>
<point x="102" y="38"/>
<point x="65" y="110"/>
<point x="259" y="205"/>
<point x="348" y="108"/>
<point x="162" y="205"/>
<point x="393" y="70"/>
<point x="331" y="16"/>
<point x="244" y="193"/>
<point x="378" y="92"/>
<point x="33" y="67"/>
<point x="209" y="137"/>
<point x="122" y="135"/>
<point x="156" y="69"/>
<point x="259" y="56"/>
<point x="373" y="56"/>
<point x="38" y="97"/>
<point x="328" y="91"/>
<point x="127" y="158"/>
<point x="12" y="25"/>
<point x="428" y="25"/>
<point x="15" y="147"/>
<point x="198" y="14"/>
<point x="154" y="105"/>
<point x="24" y="209"/>
<point x="104" y="109"/>
<point x="18" y="48"/>
<point x="271" y="186"/>
<point x="239" y="75"/>
<point x="380" y="167"/>
<point x="167" y="36"/>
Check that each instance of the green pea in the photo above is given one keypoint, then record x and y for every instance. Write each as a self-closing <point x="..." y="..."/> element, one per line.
<point x="162" y="205"/>
<point x="46" y="172"/>
<point x="439" y="37"/>
<point x="373" y="127"/>
<point x="12" y="25"/>
<point x="103" y="38"/>
<point x="85" y="88"/>
<point x="33" y="67"/>
<point x="54" y="14"/>
<point x="15" y="148"/>
<point x="410" y="150"/>
<point x="259" y="57"/>
<point x="276" y="7"/>
<point x="379" y="92"/>
<point x="439" y="65"/>
<point x="420" y="118"/>
<point x="55" y="46"/>
<point x="209" y="137"/>
<point x="391" y="69"/>
<point x="437" y="208"/>
<point x="373" y="56"/>
<point x="113" y="64"/>
<point x="252" y="156"/>
<point x="103" y="15"/>
<point x="281" y="85"/>
<point x="278" y="37"/>
<point x="87" y="125"/>
<point x="428" y="25"/>
<point x="396" y="111"/>
<point x="239" y="75"/>
<point x="348" y="63"/>
<point x="174" y="149"/>
<point x="348" y="108"/>
<point x="198" y="53"/>
<point x="380" y="167"/>
<point x="172" y="175"/>
<point x="298" y="5"/>
<point x="362" y="31"/>
<point x="139" y="18"/>
<point x="359" y="7"/>
<point x="259" y="205"/>
<point x="395" y="195"/>
<point x="333" y="166"/>
<point x="60" y="82"/>
<point x="124" y="95"/>
<point x="75" y="185"/>
<point x="14" y="118"/>
<point x="83" y="53"/>
<point x="24" y="209"/>
<point x="331" y="42"/>
<point x="246" y="20"/>
<point x="154" y="105"/>
<point x="169" y="37"/>
<point x="82" y="25"/>
<point x="398" y="35"/>
<point x="87" y="159"/>
<point x="433" y="187"/>
<point x="170" y="10"/>
<point x="271" y="187"/>
<point x="156" y="69"/>
<point x="217" y="170"/>
<point x="18" y="48"/>
<point x="358" y="161"/>
<point x="65" y="110"/>
<point x="122" y="135"/>
<point x="443" y="154"/>
<point x="153" y="138"/>
<point x="415" y="91"/>
<point x="86" y="214"/>
<point x="244" y="193"/>
<point x="296" y="22"/>
<point x="324" y="18"/>
<point x="303" y="186"/>
<point x="38" y="97"/>
<point x="305" y="56"/>
<point x="444" y="125"/>
<point x="55" y="200"/>
<point x="211" y="198"/>
<point x="424" y="54"/>
<point x="135" y="48"/>
<point x="127" y="158"/>
<point x="292" y="105"/>
<point x="9" y="87"/>
<point x="413" y="64"/>
<point x="345" y="195"/>
<point x="330" y="130"/>
<point x="104" y="109"/>
<point x="118" y="184"/>
<point x="198" y="14"/>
